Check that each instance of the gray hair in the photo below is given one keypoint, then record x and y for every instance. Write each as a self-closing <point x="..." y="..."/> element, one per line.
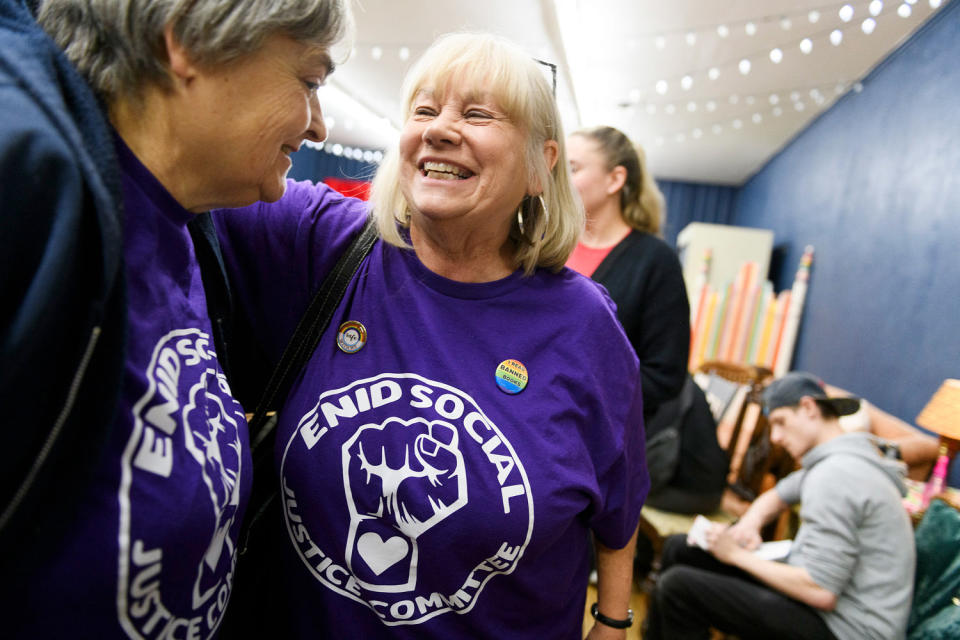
<point x="118" y="45"/>
<point x="495" y="66"/>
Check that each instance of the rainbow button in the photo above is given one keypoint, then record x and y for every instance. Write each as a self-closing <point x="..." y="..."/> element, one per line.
<point x="511" y="376"/>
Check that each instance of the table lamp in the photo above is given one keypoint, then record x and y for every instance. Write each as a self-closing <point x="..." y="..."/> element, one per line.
<point x="942" y="416"/>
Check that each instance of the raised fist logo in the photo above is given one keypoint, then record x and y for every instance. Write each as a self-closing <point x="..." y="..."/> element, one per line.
<point x="213" y="439"/>
<point x="401" y="479"/>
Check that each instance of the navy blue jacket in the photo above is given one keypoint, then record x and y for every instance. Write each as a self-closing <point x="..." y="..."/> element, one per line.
<point x="63" y="315"/>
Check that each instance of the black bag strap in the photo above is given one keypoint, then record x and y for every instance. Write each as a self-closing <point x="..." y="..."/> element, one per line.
<point x="313" y="323"/>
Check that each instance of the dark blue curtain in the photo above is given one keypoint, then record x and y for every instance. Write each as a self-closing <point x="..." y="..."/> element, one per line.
<point x="692" y="202"/>
<point x="313" y="165"/>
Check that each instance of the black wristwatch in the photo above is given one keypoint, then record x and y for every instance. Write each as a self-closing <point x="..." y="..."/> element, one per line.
<point x="611" y="622"/>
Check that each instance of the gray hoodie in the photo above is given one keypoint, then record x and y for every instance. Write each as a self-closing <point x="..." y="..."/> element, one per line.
<point x="855" y="539"/>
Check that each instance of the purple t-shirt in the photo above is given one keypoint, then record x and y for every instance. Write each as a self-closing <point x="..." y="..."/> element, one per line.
<point x="153" y="552"/>
<point x="421" y="500"/>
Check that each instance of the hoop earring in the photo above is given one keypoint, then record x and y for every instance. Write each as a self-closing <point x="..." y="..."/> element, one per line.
<point x="520" y="219"/>
<point x="543" y="205"/>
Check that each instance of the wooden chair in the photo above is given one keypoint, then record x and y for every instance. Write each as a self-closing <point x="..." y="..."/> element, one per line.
<point x="755" y="463"/>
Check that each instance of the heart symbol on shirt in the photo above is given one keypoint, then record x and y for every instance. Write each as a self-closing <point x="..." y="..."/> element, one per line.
<point x="380" y="554"/>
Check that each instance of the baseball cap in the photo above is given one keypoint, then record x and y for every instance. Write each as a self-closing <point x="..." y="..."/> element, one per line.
<point x="787" y="391"/>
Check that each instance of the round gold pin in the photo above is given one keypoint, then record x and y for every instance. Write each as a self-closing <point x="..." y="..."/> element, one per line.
<point x="351" y="336"/>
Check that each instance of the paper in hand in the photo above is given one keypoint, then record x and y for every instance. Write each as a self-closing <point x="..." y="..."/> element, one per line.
<point x="697" y="536"/>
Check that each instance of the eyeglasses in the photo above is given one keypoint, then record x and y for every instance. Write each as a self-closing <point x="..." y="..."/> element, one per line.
<point x="553" y="73"/>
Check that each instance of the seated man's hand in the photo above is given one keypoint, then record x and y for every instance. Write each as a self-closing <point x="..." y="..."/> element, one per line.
<point x="722" y="543"/>
<point x="745" y="535"/>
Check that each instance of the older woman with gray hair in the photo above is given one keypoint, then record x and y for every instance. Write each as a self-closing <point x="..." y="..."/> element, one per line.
<point x="473" y="412"/>
<point x="206" y="100"/>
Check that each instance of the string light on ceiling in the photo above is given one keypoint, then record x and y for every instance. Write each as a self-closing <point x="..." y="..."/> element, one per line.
<point x="383" y="53"/>
<point x="736" y="122"/>
<point x="374" y="156"/>
<point x="778" y="53"/>
<point x="846" y="12"/>
<point x="817" y="93"/>
<point x="750" y="52"/>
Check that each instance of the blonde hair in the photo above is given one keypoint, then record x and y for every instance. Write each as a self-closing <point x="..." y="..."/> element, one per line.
<point x="641" y="203"/>
<point x="492" y="65"/>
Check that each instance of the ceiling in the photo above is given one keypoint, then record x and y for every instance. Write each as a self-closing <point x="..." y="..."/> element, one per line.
<point x="693" y="81"/>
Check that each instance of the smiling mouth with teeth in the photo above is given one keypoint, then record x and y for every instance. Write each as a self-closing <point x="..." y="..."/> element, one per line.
<point x="443" y="171"/>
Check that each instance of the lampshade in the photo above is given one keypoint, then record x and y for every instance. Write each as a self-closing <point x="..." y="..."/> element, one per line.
<point x="942" y="413"/>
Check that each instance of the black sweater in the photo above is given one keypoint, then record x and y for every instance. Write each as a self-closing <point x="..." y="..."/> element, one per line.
<point x="644" y="277"/>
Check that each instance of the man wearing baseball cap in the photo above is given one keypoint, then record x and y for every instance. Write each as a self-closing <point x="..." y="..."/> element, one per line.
<point x="849" y="573"/>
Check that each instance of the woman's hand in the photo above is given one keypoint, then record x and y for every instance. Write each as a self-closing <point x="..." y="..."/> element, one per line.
<point x="614" y="579"/>
<point x="602" y="632"/>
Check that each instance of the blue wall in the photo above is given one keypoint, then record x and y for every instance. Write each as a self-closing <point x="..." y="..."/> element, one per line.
<point x="873" y="184"/>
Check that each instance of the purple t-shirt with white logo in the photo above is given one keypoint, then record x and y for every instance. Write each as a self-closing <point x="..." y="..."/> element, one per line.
<point x="421" y="499"/>
<point x="153" y="553"/>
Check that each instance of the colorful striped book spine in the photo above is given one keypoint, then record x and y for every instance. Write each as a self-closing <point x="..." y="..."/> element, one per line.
<point x="698" y="310"/>
<point x="746" y="327"/>
<point x="779" y="318"/>
<point x="745" y="322"/>
<point x="719" y="327"/>
<point x="792" y="323"/>
<point x="765" y="300"/>
<point x="709" y="322"/>
<point x="744" y="309"/>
